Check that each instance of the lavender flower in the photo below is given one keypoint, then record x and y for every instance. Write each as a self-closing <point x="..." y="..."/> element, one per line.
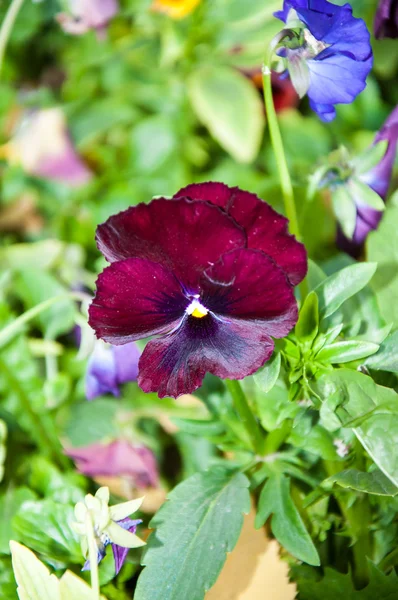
<point x="109" y="367"/>
<point x="325" y="51"/>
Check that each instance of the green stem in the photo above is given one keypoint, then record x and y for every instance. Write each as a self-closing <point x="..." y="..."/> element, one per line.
<point x="49" y="443"/>
<point x="246" y="415"/>
<point x="92" y="555"/>
<point x="7" y="25"/>
<point x="281" y="162"/>
<point x="277" y="437"/>
<point x="16" y="325"/>
<point x="277" y="144"/>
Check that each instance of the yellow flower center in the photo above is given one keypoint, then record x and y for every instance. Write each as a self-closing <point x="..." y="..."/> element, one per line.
<point x="196" y="309"/>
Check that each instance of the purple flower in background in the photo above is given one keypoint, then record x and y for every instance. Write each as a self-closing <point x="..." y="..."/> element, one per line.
<point x="386" y="20"/>
<point x="119" y="458"/>
<point x="212" y="271"/>
<point x="109" y="367"/>
<point x="359" y="186"/>
<point x="326" y="52"/>
<point x="88" y="14"/>
<point x="43" y="148"/>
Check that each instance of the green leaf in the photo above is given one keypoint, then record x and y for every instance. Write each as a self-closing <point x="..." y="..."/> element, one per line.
<point x="228" y="104"/>
<point x="386" y="359"/>
<point x="382" y="247"/>
<point x="286" y="524"/>
<point x="340" y="286"/>
<point x="343" y="352"/>
<point x="268" y="375"/>
<point x="10" y="502"/>
<point x="195" y="529"/>
<point x="45" y="526"/>
<point x="308" y="322"/>
<point x="374" y="482"/>
<point x="35" y="286"/>
<point x="153" y="142"/>
<point x="199" y="427"/>
<point x="371" y="410"/>
<point x="91" y="422"/>
<point x="339" y="585"/>
<point x="345" y="210"/>
<point x="366" y="195"/>
<point x="33" y="578"/>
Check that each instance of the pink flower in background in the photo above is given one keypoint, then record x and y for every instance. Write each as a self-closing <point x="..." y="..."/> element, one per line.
<point x="43" y="148"/>
<point x="88" y="14"/>
<point x="119" y="458"/>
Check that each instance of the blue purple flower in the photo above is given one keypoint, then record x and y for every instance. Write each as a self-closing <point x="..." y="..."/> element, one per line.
<point x="326" y="52"/>
<point x="386" y="19"/>
<point x="109" y="367"/>
<point x="359" y="185"/>
<point x="211" y="272"/>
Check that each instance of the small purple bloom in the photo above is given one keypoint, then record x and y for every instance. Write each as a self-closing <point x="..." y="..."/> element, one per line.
<point x="386" y="20"/>
<point x="327" y="52"/>
<point x="212" y="271"/>
<point x="377" y="179"/>
<point x="119" y="552"/>
<point x="109" y="367"/>
<point x="88" y="14"/>
<point x="119" y="458"/>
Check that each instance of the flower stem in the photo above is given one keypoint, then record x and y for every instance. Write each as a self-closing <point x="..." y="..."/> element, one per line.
<point x="48" y="442"/>
<point x="93" y="556"/>
<point x="246" y="415"/>
<point x="283" y="169"/>
<point x="15" y="326"/>
<point x="277" y="144"/>
<point x="7" y="25"/>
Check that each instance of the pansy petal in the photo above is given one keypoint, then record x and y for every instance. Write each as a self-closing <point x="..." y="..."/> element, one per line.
<point x="126" y="361"/>
<point x="247" y="284"/>
<point x="181" y="235"/>
<point x="266" y="229"/>
<point x="336" y="78"/>
<point x="177" y="363"/>
<point x="101" y="372"/>
<point x="135" y="298"/>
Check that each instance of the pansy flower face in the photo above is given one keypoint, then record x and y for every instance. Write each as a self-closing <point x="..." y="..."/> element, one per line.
<point x="328" y="54"/>
<point x="211" y="272"/>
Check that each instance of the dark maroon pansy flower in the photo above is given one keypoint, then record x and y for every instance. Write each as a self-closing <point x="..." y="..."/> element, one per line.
<point x="212" y="270"/>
